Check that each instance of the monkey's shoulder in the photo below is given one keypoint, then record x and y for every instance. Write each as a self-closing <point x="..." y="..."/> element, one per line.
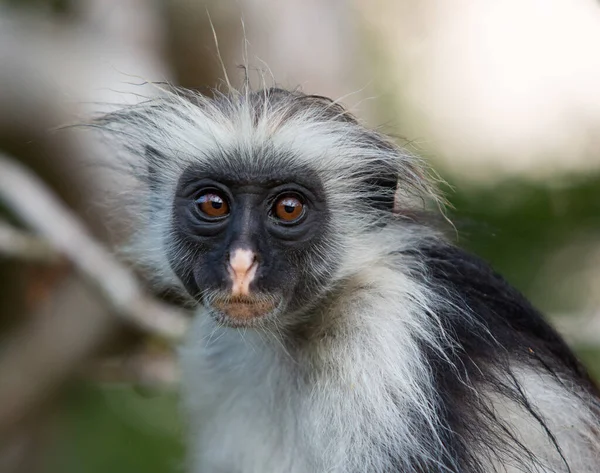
<point x="476" y="297"/>
<point x="464" y="275"/>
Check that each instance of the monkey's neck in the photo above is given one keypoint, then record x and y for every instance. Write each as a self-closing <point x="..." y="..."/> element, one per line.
<point x="342" y="372"/>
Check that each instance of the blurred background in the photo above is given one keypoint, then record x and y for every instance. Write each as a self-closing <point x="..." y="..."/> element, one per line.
<point x="501" y="98"/>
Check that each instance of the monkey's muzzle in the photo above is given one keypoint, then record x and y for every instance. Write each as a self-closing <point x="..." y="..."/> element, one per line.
<point x="242" y="310"/>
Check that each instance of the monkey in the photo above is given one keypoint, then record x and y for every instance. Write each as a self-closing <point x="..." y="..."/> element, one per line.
<point x="337" y="327"/>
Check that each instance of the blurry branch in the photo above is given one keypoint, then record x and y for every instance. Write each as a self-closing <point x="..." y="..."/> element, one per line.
<point x="53" y="69"/>
<point x="31" y="201"/>
<point x="578" y="329"/>
<point x="154" y="371"/>
<point x="15" y="243"/>
<point x="44" y="352"/>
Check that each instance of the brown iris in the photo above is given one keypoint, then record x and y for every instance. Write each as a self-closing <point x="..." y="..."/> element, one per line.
<point x="288" y="208"/>
<point x="212" y="205"/>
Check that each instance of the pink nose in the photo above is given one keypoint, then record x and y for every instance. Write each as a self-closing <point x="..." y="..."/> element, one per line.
<point x="242" y="269"/>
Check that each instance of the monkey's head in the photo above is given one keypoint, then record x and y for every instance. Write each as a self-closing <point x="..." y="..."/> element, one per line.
<point x="259" y="203"/>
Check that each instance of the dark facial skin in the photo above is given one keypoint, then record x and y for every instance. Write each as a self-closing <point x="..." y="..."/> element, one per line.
<point x="245" y="242"/>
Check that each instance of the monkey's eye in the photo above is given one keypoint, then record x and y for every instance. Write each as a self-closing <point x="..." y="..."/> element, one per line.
<point x="212" y="205"/>
<point x="288" y="209"/>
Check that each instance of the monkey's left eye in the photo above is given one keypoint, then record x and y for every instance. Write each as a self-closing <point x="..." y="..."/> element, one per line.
<point x="212" y="205"/>
<point x="288" y="209"/>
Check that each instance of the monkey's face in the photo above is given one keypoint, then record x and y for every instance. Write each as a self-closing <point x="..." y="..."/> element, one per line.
<point x="250" y="247"/>
<point x="262" y="202"/>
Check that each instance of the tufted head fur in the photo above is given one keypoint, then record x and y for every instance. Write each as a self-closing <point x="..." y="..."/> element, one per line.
<point x="353" y="180"/>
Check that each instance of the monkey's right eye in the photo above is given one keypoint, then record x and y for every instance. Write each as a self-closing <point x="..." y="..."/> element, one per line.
<point x="212" y="205"/>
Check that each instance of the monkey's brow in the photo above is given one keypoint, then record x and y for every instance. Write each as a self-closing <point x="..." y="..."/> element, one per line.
<point x="305" y="177"/>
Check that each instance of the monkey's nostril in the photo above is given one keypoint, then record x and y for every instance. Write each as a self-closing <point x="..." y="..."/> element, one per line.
<point x="241" y="261"/>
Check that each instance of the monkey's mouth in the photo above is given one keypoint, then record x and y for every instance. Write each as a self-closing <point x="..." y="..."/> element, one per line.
<point x="238" y="311"/>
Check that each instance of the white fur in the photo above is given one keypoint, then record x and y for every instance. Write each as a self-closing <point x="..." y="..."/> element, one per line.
<point x="567" y="415"/>
<point x="255" y="407"/>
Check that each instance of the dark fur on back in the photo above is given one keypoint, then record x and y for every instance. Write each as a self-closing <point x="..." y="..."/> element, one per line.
<point x="503" y="331"/>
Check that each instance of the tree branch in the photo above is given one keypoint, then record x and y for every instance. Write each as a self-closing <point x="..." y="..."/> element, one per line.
<point x="149" y="370"/>
<point x="579" y="329"/>
<point x="44" y="352"/>
<point x="15" y="243"/>
<point x="34" y="203"/>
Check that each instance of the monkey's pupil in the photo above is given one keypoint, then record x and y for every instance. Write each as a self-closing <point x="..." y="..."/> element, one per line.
<point x="288" y="209"/>
<point x="217" y="205"/>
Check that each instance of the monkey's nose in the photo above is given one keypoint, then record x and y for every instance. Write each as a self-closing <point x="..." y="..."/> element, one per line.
<point x="242" y="270"/>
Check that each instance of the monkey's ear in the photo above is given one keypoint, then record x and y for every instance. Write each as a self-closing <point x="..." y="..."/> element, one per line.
<point x="381" y="186"/>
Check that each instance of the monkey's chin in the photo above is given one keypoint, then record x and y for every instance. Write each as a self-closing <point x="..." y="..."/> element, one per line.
<point x="243" y="311"/>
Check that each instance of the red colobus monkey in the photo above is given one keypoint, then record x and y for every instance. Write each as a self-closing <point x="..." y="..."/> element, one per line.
<point x="337" y="330"/>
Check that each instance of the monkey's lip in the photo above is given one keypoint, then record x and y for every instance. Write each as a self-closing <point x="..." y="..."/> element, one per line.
<point x="242" y="310"/>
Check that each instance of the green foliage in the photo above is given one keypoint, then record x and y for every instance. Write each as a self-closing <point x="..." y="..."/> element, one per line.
<point x="517" y="226"/>
<point x="116" y="430"/>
